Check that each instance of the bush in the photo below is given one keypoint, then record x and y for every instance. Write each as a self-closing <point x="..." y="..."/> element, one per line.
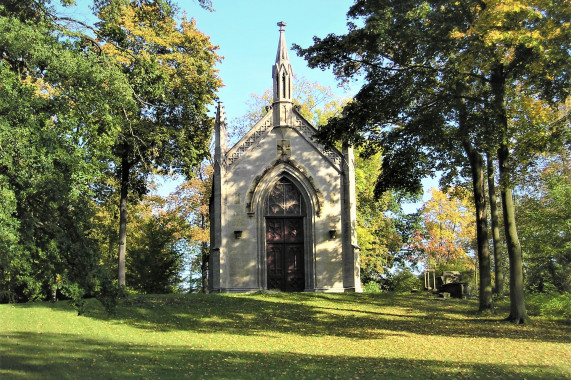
<point x="405" y="281"/>
<point x="372" y="287"/>
<point x="75" y="293"/>
<point x="401" y="281"/>
<point x="109" y="292"/>
<point x="550" y="304"/>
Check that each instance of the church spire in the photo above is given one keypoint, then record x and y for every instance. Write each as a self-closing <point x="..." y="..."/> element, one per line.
<point x="282" y="75"/>
<point x="282" y="55"/>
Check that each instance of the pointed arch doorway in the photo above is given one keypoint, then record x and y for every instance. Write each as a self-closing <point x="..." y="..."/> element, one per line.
<point x="285" y="213"/>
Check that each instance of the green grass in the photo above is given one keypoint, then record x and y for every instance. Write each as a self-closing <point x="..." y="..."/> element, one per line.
<point x="290" y="336"/>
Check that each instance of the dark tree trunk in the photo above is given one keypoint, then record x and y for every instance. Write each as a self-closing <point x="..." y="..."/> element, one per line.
<point x="477" y="168"/>
<point x="518" y="313"/>
<point x="517" y="302"/>
<point x="125" y="169"/>
<point x="204" y="266"/>
<point x="498" y="257"/>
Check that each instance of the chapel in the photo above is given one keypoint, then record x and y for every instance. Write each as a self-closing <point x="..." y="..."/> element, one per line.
<point x="283" y="211"/>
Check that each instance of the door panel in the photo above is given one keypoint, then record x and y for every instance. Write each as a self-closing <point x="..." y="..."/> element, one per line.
<point x="275" y="267"/>
<point x="295" y="281"/>
<point x="284" y="251"/>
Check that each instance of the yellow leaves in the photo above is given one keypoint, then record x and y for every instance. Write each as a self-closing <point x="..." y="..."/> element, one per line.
<point x="449" y="228"/>
<point x="183" y="53"/>
<point x="457" y="35"/>
<point x="43" y="89"/>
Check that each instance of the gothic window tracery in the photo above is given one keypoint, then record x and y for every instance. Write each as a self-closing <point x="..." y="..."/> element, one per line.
<point x="285" y="199"/>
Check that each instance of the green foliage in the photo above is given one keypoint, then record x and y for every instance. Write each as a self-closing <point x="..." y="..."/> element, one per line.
<point x="372" y="287"/>
<point x="154" y="259"/>
<point x="545" y="231"/>
<point x="73" y="106"/>
<point x="76" y="295"/>
<point x="56" y="131"/>
<point x="377" y="236"/>
<point x="401" y="281"/>
<point x="169" y="66"/>
<point x="551" y="304"/>
<point x="445" y="82"/>
<point x="108" y="292"/>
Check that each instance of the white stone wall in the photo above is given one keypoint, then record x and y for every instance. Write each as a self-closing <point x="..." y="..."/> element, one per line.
<point x="241" y="265"/>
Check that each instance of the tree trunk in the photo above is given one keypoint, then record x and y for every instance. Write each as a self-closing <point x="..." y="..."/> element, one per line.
<point x="477" y="168"/>
<point x="125" y="169"/>
<point x="204" y="266"/>
<point x="498" y="257"/>
<point x="518" y="313"/>
<point x="517" y="302"/>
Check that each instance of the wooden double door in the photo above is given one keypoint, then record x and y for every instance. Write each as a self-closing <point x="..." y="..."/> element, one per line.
<point x="285" y="253"/>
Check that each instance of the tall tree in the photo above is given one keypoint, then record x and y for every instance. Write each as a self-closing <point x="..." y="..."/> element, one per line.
<point x="56" y="131"/>
<point x="170" y="69"/>
<point x="416" y="105"/>
<point x="522" y="49"/>
<point x="445" y="70"/>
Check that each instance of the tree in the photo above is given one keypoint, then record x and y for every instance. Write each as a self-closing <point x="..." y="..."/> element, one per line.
<point x="543" y="213"/>
<point x="155" y="254"/>
<point x="416" y="106"/>
<point x="190" y="202"/>
<point x="524" y="59"/>
<point x="498" y="257"/>
<point x="170" y="71"/>
<point x="56" y="130"/>
<point x="377" y="236"/>
<point x="447" y="236"/>
<point x="438" y="77"/>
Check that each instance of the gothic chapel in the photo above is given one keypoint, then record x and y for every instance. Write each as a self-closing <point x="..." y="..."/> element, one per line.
<point x="283" y="212"/>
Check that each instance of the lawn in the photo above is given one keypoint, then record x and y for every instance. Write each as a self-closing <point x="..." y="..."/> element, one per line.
<point x="290" y="336"/>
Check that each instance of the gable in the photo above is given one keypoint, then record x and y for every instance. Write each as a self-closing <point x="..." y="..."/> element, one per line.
<point x="300" y="125"/>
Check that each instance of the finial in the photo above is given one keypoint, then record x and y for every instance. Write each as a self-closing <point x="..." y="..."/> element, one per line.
<point x="281" y="24"/>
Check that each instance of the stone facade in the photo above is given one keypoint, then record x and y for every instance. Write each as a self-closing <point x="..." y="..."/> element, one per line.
<point x="283" y="206"/>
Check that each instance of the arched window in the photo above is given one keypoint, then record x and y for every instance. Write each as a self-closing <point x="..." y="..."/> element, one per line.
<point x="285" y="199"/>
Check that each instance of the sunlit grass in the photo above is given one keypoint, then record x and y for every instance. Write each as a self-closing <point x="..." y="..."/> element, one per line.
<point x="279" y="335"/>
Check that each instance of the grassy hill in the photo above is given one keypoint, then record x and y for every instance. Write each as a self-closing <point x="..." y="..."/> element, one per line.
<point x="262" y="336"/>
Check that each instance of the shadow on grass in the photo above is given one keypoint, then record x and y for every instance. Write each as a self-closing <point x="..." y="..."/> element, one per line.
<point x="26" y="355"/>
<point x="357" y="316"/>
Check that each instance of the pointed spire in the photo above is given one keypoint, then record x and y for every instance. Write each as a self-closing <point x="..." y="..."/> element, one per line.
<point x="282" y="55"/>
<point x="282" y="72"/>
<point x="282" y="75"/>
